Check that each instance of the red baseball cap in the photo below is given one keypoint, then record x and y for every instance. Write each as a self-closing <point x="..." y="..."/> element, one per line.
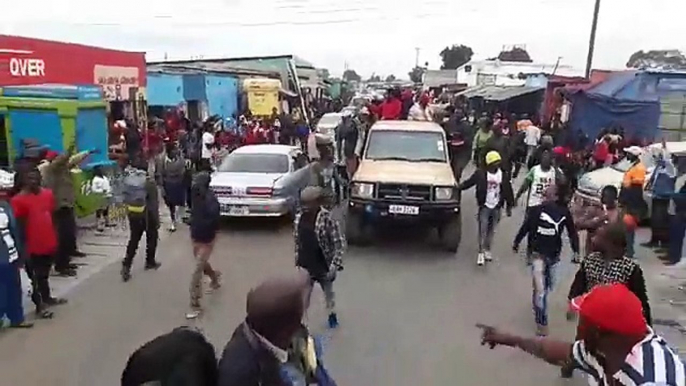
<point x="613" y="308"/>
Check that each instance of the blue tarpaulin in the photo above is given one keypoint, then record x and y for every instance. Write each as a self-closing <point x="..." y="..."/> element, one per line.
<point x="629" y="99"/>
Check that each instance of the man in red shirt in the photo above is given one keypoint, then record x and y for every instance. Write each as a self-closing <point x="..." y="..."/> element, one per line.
<point x="392" y="107"/>
<point x="33" y="208"/>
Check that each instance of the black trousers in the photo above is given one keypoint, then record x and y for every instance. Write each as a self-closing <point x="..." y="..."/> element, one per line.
<point x="659" y="221"/>
<point x="65" y="224"/>
<point x="38" y="270"/>
<point x="139" y="224"/>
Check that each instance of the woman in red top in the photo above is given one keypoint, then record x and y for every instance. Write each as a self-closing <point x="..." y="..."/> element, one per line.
<point x="601" y="153"/>
<point x="33" y="208"/>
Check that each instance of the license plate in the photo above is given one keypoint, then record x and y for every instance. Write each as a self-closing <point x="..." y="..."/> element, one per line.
<point x="235" y="210"/>
<point x="403" y="209"/>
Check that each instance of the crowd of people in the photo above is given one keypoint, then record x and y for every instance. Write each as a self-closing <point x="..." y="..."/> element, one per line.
<point x="615" y="343"/>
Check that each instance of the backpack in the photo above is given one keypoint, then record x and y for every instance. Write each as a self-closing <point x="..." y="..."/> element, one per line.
<point x="135" y="192"/>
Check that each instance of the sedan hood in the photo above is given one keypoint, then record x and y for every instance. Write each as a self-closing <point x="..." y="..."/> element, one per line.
<point x="403" y="172"/>
<point x="594" y="181"/>
<point x="244" y="180"/>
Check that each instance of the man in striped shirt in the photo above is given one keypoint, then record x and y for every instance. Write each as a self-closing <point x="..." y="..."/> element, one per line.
<point x="616" y="346"/>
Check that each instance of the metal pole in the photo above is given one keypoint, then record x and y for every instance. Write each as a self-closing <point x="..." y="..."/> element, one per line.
<point x="416" y="58"/>
<point x="591" y="43"/>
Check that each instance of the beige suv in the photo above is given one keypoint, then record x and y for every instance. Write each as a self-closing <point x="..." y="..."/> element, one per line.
<point x="404" y="176"/>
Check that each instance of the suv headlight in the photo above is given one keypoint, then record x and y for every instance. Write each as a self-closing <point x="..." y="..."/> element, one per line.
<point x="444" y="193"/>
<point x="362" y="190"/>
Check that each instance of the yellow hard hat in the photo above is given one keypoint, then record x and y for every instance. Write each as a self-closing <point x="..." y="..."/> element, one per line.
<point x="492" y="157"/>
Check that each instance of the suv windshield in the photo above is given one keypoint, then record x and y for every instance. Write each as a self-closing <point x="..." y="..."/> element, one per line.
<point x="254" y="163"/>
<point x="403" y="145"/>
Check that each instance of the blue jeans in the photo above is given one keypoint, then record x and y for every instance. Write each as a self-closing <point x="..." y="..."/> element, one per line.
<point x="677" y="230"/>
<point x="487" y="220"/>
<point x="10" y="293"/>
<point x="630" y="241"/>
<point x="543" y="273"/>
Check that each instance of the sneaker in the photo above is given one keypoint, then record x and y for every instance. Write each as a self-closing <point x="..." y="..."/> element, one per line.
<point x="541" y="330"/>
<point x="480" y="259"/>
<point x="333" y="320"/>
<point x="125" y="274"/>
<point x="194" y="313"/>
<point x="488" y="256"/>
<point x="172" y="228"/>
<point x="153" y="266"/>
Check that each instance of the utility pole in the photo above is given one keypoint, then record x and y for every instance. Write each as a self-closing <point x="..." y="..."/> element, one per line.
<point x="591" y="43"/>
<point x="416" y="58"/>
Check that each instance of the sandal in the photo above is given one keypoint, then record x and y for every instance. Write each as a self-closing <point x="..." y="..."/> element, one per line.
<point x="20" y="325"/>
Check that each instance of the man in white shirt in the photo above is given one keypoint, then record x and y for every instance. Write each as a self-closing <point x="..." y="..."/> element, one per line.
<point x="421" y="111"/>
<point x="206" y="150"/>
<point x="531" y="139"/>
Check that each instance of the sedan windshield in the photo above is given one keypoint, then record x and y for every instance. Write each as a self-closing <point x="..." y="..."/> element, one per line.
<point x="329" y="120"/>
<point x="625" y="164"/>
<point x="254" y="163"/>
<point x="415" y="146"/>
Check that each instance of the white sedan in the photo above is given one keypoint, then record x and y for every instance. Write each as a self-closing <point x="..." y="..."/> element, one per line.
<point x="260" y="181"/>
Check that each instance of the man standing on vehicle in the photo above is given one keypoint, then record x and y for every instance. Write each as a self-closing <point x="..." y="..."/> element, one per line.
<point x="347" y="137"/>
<point x="459" y="134"/>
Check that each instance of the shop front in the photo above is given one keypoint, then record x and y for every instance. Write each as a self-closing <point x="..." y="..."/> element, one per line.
<point x="121" y="74"/>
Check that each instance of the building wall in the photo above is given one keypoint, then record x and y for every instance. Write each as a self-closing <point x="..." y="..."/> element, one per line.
<point x="222" y="94"/>
<point x="499" y="73"/>
<point x="194" y="87"/>
<point x="165" y="89"/>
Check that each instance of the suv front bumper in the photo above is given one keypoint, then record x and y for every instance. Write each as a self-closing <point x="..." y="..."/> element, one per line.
<point x="426" y="212"/>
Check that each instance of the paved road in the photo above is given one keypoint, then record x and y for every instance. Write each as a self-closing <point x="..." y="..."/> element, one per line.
<point x="407" y="311"/>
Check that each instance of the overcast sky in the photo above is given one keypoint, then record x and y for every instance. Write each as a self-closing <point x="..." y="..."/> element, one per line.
<point x="371" y="36"/>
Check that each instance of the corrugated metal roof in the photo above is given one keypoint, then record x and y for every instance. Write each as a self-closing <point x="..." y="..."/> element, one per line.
<point x="498" y="93"/>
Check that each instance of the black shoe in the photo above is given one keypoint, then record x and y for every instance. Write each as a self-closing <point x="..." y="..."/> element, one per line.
<point x="73" y="267"/>
<point x="567" y="372"/>
<point x="125" y="274"/>
<point x="78" y="254"/>
<point x="55" y="302"/>
<point x="66" y="273"/>
<point x="152" y="266"/>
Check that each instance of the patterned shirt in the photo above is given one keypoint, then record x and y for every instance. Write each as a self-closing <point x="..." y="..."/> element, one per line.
<point x="650" y="362"/>
<point x="601" y="271"/>
<point x="331" y="239"/>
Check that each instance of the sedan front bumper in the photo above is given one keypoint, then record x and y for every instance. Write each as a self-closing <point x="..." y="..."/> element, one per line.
<point x="254" y="207"/>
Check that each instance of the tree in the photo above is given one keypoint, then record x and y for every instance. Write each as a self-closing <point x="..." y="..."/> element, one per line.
<point x="351" y="76"/>
<point x="516" y="54"/>
<point x="416" y="74"/>
<point x="664" y="59"/>
<point x="374" y="78"/>
<point x="390" y="78"/>
<point x="455" y="56"/>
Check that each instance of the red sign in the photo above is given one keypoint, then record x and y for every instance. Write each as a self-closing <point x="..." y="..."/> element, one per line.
<point x="27" y="61"/>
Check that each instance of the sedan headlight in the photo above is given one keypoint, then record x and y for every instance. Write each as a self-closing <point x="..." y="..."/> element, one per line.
<point x="362" y="190"/>
<point x="444" y="193"/>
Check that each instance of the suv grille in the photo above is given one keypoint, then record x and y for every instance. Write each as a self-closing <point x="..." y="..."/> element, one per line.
<point x="404" y="192"/>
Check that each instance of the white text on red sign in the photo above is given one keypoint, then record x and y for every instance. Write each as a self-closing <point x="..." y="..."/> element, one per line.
<point x="27" y="67"/>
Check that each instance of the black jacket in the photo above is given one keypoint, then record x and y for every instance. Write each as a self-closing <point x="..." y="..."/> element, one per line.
<point x="205" y="218"/>
<point x="182" y="357"/>
<point x="543" y="226"/>
<point x="245" y="362"/>
<point x="478" y="179"/>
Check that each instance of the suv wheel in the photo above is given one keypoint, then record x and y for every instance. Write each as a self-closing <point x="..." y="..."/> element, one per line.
<point x="356" y="231"/>
<point x="450" y="234"/>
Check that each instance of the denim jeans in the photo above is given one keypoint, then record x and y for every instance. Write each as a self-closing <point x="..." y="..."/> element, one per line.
<point x="543" y="274"/>
<point x="329" y="294"/>
<point x="488" y="219"/>
<point x="677" y="231"/>
<point x="630" y="241"/>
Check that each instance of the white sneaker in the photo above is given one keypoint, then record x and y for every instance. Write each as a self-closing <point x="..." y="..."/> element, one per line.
<point x="480" y="259"/>
<point x="488" y="256"/>
<point x="172" y="228"/>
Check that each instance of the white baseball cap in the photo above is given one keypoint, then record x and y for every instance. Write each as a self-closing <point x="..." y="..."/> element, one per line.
<point x="635" y="150"/>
